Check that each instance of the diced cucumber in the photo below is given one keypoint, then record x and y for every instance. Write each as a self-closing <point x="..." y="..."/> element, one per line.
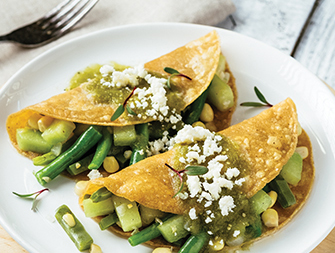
<point x="108" y="221"/>
<point x="148" y="215"/>
<point x="291" y="171"/>
<point x="124" y="135"/>
<point x="92" y="209"/>
<point x="58" y="131"/>
<point x="127" y="212"/>
<point x="31" y="140"/>
<point x="101" y="194"/>
<point x="173" y="229"/>
<point x="260" y="201"/>
<point x="222" y="65"/>
<point x="220" y="94"/>
<point x="285" y="196"/>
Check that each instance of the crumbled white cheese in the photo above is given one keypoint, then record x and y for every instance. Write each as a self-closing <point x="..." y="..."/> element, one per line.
<point x="232" y="172"/>
<point x="192" y="213"/>
<point x="93" y="174"/>
<point x="236" y="233"/>
<point x="226" y="204"/>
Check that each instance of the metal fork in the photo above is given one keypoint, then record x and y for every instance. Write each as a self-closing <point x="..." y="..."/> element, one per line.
<point x="52" y="26"/>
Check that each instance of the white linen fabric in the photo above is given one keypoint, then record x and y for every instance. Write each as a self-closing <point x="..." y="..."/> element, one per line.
<point x="106" y="13"/>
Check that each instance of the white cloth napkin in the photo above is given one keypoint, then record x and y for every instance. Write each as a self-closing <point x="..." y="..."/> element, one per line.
<point x="106" y="13"/>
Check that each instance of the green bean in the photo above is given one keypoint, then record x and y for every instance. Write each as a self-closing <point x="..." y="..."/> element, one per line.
<point x="193" y="111"/>
<point x="80" y="166"/>
<point x="77" y="233"/>
<point x="148" y="233"/>
<point x="140" y="145"/>
<point x="87" y="140"/>
<point x="101" y="194"/>
<point x="101" y="152"/>
<point x="108" y="221"/>
<point x="195" y="243"/>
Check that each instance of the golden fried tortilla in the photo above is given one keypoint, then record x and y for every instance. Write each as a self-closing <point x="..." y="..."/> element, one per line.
<point x="197" y="59"/>
<point x="266" y="141"/>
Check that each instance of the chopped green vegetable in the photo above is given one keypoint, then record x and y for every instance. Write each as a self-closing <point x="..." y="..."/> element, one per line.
<point x="140" y="145"/>
<point x="101" y="194"/>
<point x="220" y="94"/>
<point x="31" y="140"/>
<point x="77" y="233"/>
<point x="195" y="243"/>
<point x="58" y="131"/>
<point x="192" y="112"/>
<point x="173" y="229"/>
<point x="260" y="201"/>
<point x="108" y="221"/>
<point x="285" y="195"/>
<point x="86" y="141"/>
<point x="80" y="166"/>
<point x="94" y="209"/>
<point x="102" y="150"/>
<point x="128" y="214"/>
<point x="124" y="136"/>
<point x="292" y="170"/>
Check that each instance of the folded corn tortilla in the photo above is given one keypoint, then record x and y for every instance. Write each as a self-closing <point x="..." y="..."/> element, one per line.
<point x="197" y="59"/>
<point x="266" y="142"/>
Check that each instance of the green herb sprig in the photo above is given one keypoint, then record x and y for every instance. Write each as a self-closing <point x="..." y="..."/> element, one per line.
<point x="257" y="104"/>
<point x="118" y="112"/>
<point x="191" y="170"/>
<point x="173" y="73"/>
<point x="35" y="194"/>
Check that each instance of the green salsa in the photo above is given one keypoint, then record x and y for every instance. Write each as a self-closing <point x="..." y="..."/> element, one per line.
<point x="237" y="225"/>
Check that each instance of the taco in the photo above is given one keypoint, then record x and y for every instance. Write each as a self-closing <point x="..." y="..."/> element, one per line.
<point x="230" y="204"/>
<point x="163" y="95"/>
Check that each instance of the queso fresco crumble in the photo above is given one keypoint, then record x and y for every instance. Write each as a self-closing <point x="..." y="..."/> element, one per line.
<point x="217" y="193"/>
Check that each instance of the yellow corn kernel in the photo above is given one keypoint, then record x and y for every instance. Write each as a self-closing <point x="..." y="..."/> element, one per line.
<point x="217" y="244"/>
<point x="270" y="218"/>
<point x="302" y="151"/>
<point x="162" y="250"/>
<point x="199" y="123"/>
<point x="127" y="154"/>
<point x="207" y="113"/>
<point x="44" y="123"/>
<point x="69" y="220"/>
<point x="95" y="248"/>
<point x="110" y="164"/>
<point x="33" y="119"/>
<point x="211" y="126"/>
<point x="273" y="196"/>
<point x="80" y="187"/>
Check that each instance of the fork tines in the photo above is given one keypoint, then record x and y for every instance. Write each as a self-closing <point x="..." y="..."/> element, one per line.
<point x="65" y="15"/>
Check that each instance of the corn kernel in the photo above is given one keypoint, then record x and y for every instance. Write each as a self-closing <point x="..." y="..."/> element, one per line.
<point x="69" y="220"/>
<point x="217" y="244"/>
<point x="110" y="164"/>
<point x="299" y="129"/>
<point x="80" y="187"/>
<point x="273" y="195"/>
<point x="33" y="119"/>
<point x="44" y="123"/>
<point x="95" y="248"/>
<point x="302" y="151"/>
<point x="270" y="218"/>
<point x="127" y="154"/>
<point x="162" y="250"/>
<point x="199" y="123"/>
<point x="207" y="113"/>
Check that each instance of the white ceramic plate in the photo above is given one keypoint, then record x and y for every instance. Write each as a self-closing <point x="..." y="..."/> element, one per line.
<point x="253" y="63"/>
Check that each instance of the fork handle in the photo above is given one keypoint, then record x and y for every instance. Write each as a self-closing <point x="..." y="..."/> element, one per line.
<point x="4" y="38"/>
